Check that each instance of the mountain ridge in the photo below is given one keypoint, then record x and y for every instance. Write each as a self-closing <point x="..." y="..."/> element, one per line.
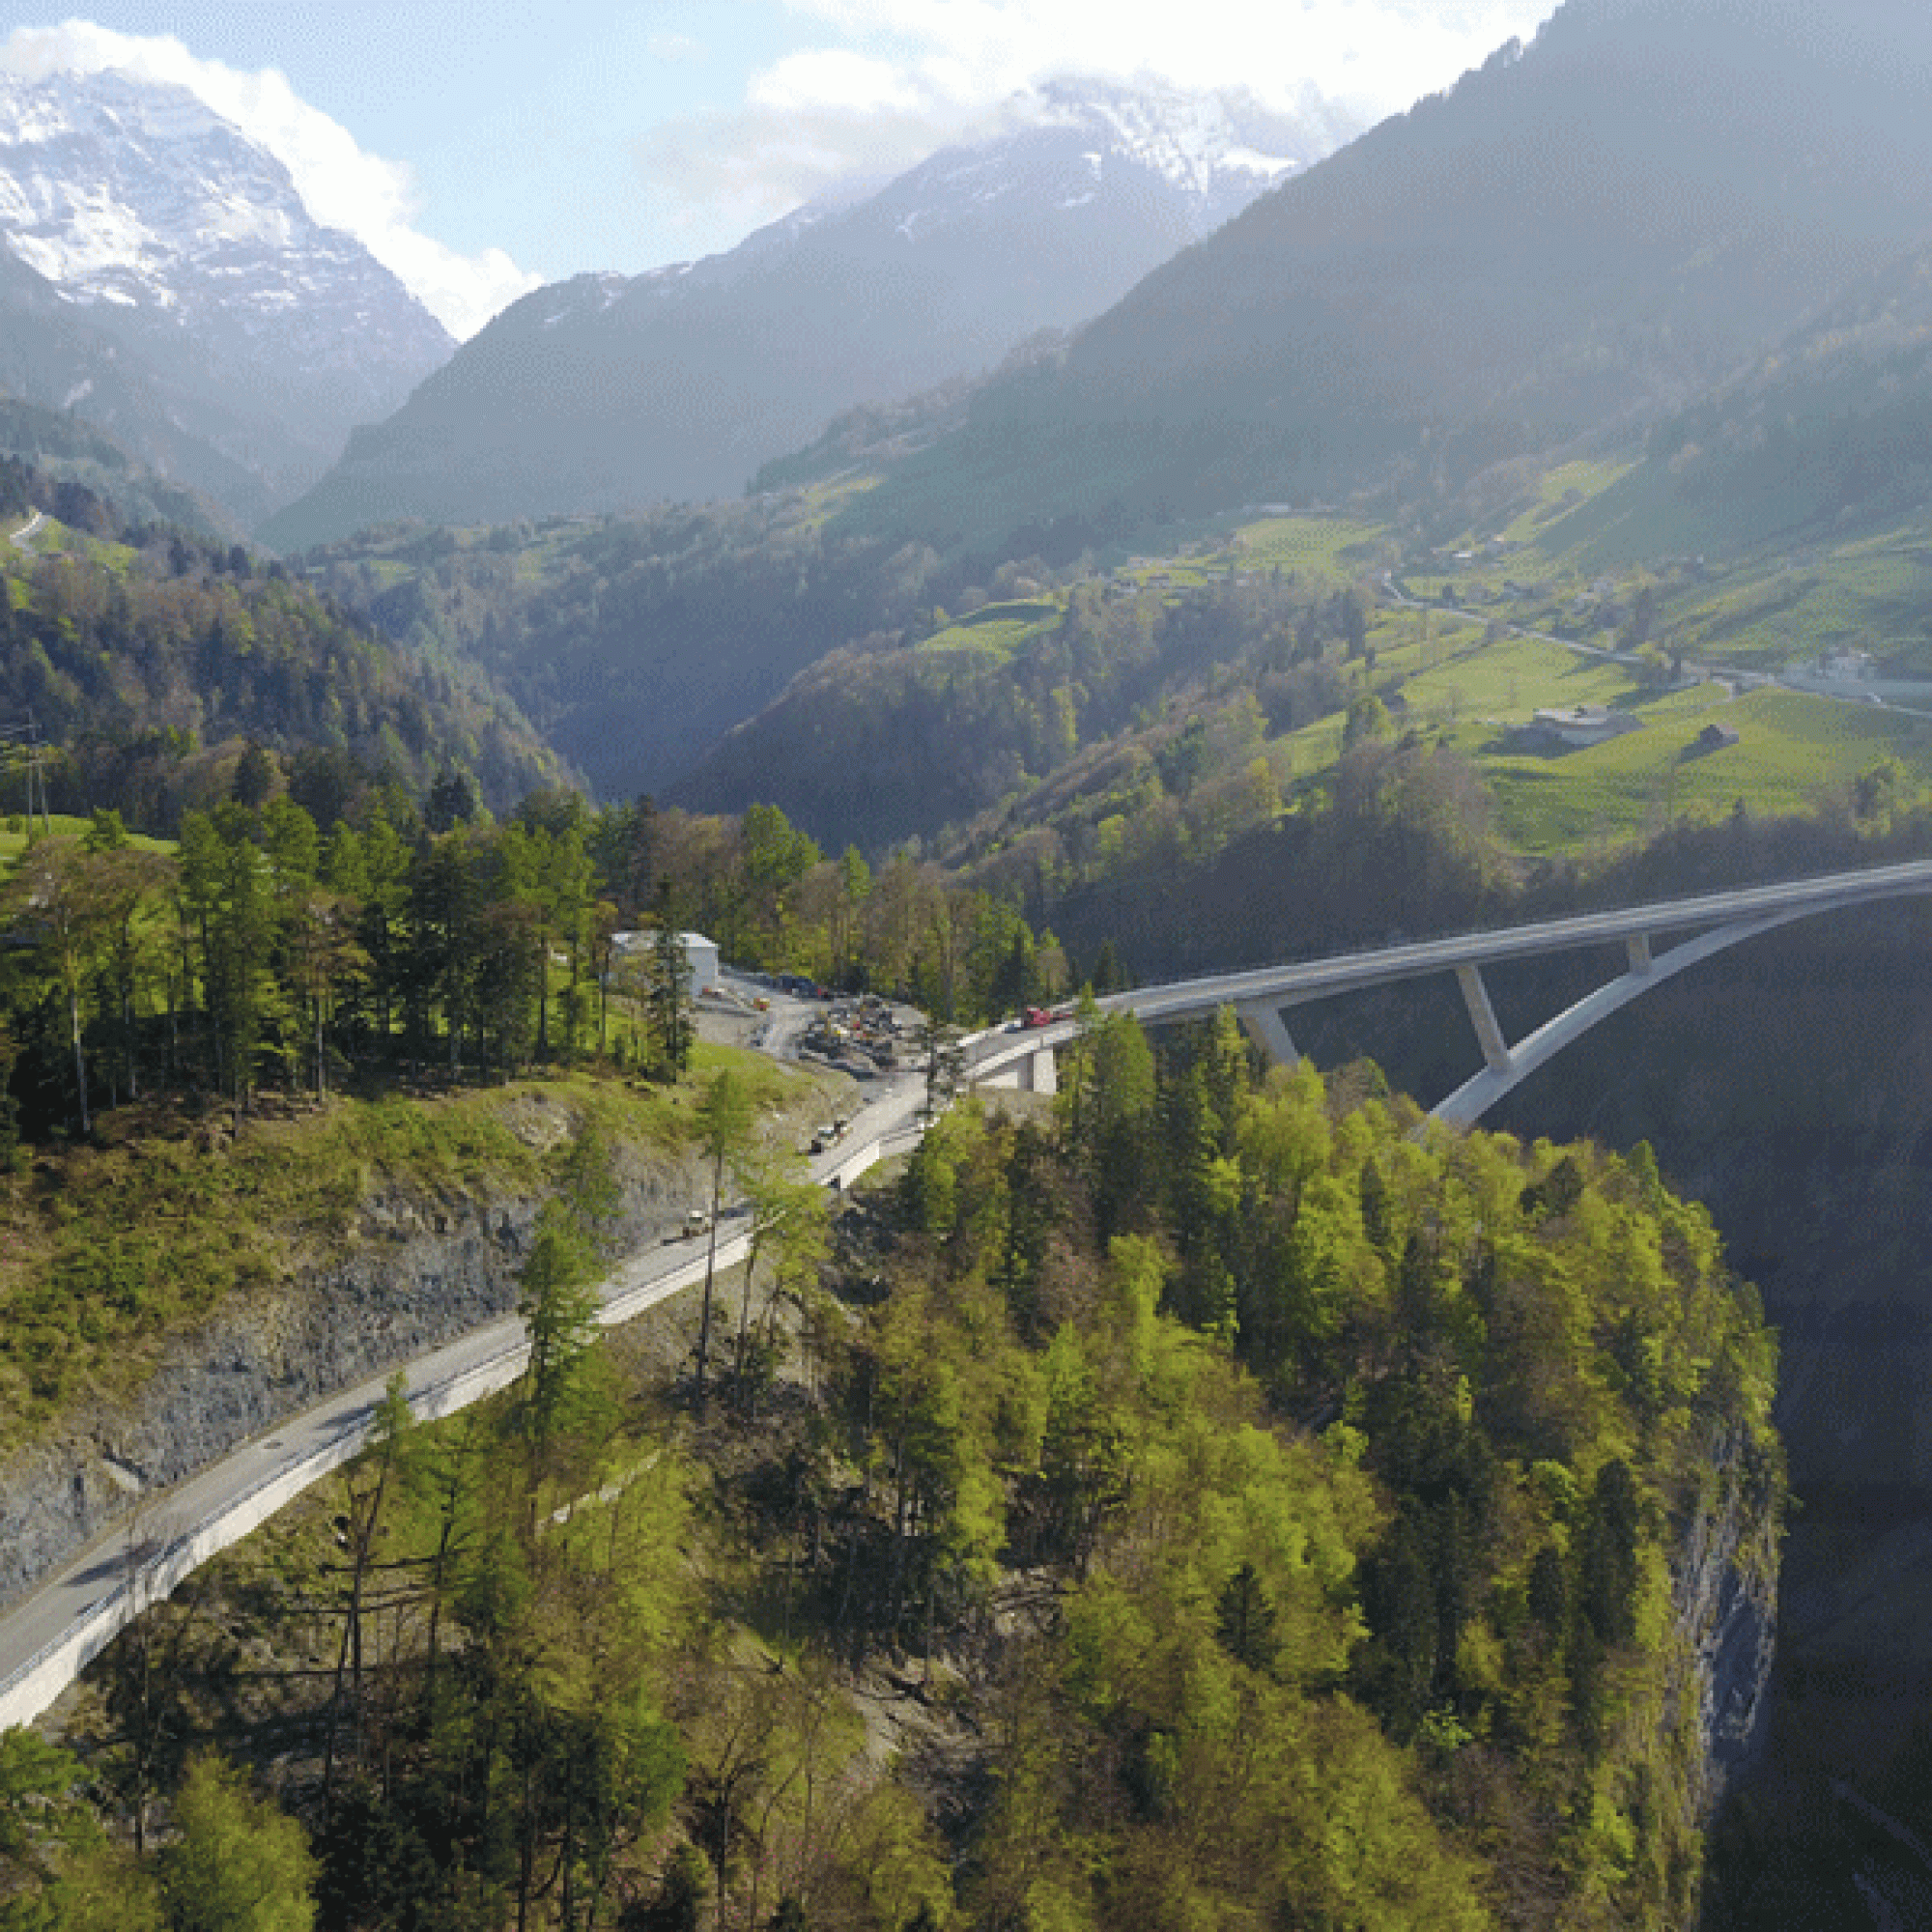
<point x="179" y="249"/>
<point x="599" y="393"/>
<point x="1584" y="232"/>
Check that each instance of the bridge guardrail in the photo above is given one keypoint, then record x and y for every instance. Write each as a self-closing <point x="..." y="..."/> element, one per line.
<point x="22" y="1698"/>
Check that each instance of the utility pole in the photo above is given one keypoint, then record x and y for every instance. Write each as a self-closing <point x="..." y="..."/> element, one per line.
<point x="32" y="754"/>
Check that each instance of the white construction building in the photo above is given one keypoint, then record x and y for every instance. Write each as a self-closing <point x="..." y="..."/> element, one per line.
<point x="700" y="956"/>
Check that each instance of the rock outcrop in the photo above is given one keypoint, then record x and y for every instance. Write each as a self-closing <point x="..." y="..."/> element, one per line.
<point x="1724" y="1595"/>
<point x="420" y="1270"/>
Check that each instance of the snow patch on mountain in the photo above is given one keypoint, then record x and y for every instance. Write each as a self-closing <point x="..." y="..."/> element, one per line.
<point x="1203" y="145"/>
<point x="134" y="194"/>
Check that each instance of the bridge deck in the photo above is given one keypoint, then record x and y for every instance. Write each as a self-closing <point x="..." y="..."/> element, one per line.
<point x="1311" y="979"/>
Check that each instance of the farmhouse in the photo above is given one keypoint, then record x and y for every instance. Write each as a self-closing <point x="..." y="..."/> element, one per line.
<point x="1585" y="724"/>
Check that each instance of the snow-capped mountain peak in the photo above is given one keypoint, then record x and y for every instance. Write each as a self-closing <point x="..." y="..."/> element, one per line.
<point x="1208" y="146"/>
<point x="133" y="193"/>
<point x="1072" y="145"/>
<point x="162" y="226"/>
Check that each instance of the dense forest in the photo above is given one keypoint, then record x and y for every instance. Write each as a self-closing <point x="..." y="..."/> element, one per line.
<point x="273" y="949"/>
<point x="62" y="464"/>
<point x="876" y="696"/>
<point x="635" y="641"/>
<point x="1121" y="711"/>
<point x="149" y="658"/>
<point x="1289" y="1530"/>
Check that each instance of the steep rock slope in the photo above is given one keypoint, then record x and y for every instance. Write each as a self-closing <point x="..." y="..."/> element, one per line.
<point x="605" y="392"/>
<point x="1587" y="231"/>
<point x="172" y="243"/>
<point x="52" y="356"/>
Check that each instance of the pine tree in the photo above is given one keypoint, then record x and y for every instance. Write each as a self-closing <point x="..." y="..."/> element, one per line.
<point x="667" y="1005"/>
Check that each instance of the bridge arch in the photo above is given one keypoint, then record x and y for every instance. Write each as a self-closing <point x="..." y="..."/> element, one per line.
<point x="1481" y="1092"/>
<point x="1713" y="922"/>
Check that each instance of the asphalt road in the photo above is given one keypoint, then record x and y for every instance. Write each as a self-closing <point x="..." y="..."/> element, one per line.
<point x="170" y="1533"/>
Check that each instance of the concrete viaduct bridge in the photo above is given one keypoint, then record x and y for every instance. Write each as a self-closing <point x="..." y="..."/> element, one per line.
<point x="47" y="1640"/>
<point x="1699" y="927"/>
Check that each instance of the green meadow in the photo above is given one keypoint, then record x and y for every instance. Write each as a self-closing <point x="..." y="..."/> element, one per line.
<point x="1791" y="751"/>
<point x="992" y="633"/>
<point x="1331" y="550"/>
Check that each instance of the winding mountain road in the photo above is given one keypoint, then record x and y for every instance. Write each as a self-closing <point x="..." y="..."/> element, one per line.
<point x="49" y="1636"/>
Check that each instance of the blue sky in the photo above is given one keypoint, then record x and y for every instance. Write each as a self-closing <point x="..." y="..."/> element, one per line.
<point x="478" y="145"/>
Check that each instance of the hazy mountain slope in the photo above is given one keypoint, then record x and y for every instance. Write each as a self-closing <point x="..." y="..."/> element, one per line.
<point x="1583" y="232"/>
<point x="162" y="275"/>
<point x="603" y="392"/>
<point x="55" y="357"/>
<point x="634" y="643"/>
<point x="71" y="453"/>
<point x="1828" y="434"/>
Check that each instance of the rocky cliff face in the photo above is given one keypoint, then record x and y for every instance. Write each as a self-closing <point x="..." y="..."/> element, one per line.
<point x="420" y="1271"/>
<point x="1724" y="1575"/>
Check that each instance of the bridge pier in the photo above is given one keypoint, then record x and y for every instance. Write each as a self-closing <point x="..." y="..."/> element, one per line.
<point x="1639" y="947"/>
<point x="1036" y="1072"/>
<point x="1263" y="1023"/>
<point x="1483" y="1017"/>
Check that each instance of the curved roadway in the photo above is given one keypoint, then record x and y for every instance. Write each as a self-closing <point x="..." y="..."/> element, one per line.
<point x="45" y="1639"/>
<point x="49" y="1636"/>
<point x="1743" y="911"/>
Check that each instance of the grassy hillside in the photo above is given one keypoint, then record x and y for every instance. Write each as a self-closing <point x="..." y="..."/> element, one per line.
<point x="108" y="1250"/>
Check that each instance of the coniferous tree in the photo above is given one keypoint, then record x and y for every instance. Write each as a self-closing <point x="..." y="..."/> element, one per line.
<point x="725" y="1123"/>
<point x="238" y="1863"/>
<point x="668" y="1002"/>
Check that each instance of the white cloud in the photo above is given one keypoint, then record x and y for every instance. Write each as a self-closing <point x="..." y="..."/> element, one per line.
<point x="902" y="77"/>
<point x="374" y="199"/>
<point x="1377" y="54"/>
<point x="834" y="79"/>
